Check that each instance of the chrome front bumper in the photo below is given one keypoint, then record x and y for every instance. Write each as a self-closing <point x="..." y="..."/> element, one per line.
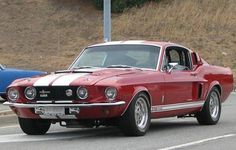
<point x="22" y="105"/>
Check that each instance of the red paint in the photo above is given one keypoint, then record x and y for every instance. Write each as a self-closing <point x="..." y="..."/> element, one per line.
<point x="176" y="87"/>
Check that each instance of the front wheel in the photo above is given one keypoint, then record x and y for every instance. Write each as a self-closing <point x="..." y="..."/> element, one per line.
<point x="211" y="110"/>
<point x="34" y="126"/>
<point x="136" y="120"/>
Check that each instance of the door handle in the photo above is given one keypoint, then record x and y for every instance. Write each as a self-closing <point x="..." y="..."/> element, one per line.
<point x="193" y="74"/>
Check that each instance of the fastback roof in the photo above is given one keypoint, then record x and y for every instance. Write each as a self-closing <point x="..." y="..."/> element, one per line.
<point x="133" y="42"/>
<point x="140" y="42"/>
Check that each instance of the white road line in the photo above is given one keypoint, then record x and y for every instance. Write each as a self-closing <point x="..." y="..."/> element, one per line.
<point x="11" y="126"/>
<point x="197" y="142"/>
<point x="10" y="138"/>
<point x="5" y="111"/>
<point x="51" y="136"/>
<point x="26" y="138"/>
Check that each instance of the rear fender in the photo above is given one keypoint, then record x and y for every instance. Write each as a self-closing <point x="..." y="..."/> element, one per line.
<point x="212" y="85"/>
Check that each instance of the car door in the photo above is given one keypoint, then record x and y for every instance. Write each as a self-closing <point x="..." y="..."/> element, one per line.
<point x="180" y="81"/>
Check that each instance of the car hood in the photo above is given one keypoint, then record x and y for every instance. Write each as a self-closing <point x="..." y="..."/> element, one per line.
<point x="26" y="71"/>
<point x="75" y="77"/>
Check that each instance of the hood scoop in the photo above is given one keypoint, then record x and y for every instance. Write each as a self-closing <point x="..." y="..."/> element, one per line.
<point x="73" y="71"/>
<point x="80" y="70"/>
<point x="63" y="71"/>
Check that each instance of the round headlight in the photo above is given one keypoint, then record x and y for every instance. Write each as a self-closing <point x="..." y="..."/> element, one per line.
<point x="110" y="93"/>
<point x="30" y="93"/>
<point x="13" y="94"/>
<point x="82" y="93"/>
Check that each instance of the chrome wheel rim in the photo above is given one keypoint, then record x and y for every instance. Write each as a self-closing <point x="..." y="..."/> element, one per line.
<point x="141" y="113"/>
<point x="214" y="106"/>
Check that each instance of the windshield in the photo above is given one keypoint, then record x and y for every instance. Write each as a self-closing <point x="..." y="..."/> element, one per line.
<point x="119" y="56"/>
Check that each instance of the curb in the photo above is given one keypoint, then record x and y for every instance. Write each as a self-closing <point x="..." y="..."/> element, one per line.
<point x="6" y="113"/>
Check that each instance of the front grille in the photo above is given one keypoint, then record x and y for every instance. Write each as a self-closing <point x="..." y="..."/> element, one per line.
<point x="55" y="93"/>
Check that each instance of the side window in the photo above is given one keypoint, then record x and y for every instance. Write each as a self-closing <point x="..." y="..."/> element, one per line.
<point x="174" y="56"/>
<point x="178" y="55"/>
<point x="186" y="60"/>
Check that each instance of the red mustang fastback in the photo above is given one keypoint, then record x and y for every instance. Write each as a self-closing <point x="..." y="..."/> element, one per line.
<point x="125" y="83"/>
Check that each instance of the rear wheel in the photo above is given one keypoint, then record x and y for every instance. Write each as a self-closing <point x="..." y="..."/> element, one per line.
<point x="34" y="126"/>
<point x="136" y="120"/>
<point x="211" y="110"/>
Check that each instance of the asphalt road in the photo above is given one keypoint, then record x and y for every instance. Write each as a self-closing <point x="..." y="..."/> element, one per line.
<point x="166" y="134"/>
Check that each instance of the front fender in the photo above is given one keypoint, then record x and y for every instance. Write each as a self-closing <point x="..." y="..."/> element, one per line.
<point x="136" y="91"/>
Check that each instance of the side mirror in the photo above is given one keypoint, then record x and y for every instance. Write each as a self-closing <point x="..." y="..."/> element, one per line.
<point x="172" y="66"/>
<point x="199" y="60"/>
<point x="196" y="59"/>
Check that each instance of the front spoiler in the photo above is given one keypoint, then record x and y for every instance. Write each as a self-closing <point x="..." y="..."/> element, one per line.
<point x="22" y="105"/>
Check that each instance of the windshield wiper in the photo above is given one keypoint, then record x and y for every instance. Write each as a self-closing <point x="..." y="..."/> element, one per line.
<point x="84" y="67"/>
<point x="76" y="69"/>
<point x="119" y="66"/>
<point x="123" y="66"/>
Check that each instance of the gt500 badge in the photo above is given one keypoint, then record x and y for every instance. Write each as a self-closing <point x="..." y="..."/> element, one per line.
<point x="44" y="93"/>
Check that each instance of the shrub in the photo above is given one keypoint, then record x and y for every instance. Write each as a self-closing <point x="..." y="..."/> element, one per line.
<point x="118" y="6"/>
<point x="132" y="3"/>
<point x="98" y="4"/>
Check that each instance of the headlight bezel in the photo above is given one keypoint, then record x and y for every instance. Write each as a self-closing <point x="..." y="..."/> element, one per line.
<point x="34" y="95"/>
<point x="113" y="96"/>
<point x="85" y="95"/>
<point x="9" y="93"/>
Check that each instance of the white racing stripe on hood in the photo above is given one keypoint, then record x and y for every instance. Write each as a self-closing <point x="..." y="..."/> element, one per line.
<point x="45" y="81"/>
<point x="66" y="80"/>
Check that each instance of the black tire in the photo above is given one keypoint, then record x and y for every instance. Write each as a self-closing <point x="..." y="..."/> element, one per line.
<point x="205" y="117"/>
<point x="128" y="120"/>
<point x="34" y="126"/>
<point x="4" y="97"/>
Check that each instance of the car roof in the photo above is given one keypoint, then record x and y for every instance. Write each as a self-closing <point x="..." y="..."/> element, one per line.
<point x="141" y="42"/>
<point x="134" y="42"/>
